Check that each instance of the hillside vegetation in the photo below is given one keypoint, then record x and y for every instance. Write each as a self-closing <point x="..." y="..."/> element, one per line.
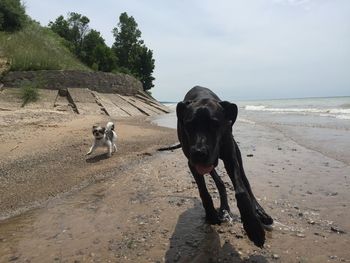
<point x="70" y="44"/>
<point x="37" y="48"/>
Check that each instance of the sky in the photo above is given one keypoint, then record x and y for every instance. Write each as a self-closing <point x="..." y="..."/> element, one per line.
<point x="242" y="50"/>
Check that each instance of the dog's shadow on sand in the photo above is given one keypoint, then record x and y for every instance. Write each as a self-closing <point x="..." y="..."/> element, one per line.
<point x="97" y="158"/>
<point x="195" y="241"/>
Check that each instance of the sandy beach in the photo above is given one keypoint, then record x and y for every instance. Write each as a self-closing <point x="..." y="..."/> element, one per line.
<point x="141" y="205"/>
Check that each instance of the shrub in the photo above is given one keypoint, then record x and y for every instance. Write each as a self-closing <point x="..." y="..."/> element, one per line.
<point x="29" y="93"/>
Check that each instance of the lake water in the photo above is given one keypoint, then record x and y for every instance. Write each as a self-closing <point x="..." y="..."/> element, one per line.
<point x="320" y="124"/>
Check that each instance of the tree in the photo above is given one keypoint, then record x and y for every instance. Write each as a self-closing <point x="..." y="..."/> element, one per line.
<point x="131" y="52"/>
<point x="87" y="44"/>
<point x="78" y="29"/>
<point x="127" y="36"/>
<point x="74" y="29"/>
<point x="96" y="54"/>
<point x="61" y="27"/>
<point x="12" y="15"/>
<point x="107" y="61"/>
<point x="90" y="42"/>
<point x="145" y="67"/>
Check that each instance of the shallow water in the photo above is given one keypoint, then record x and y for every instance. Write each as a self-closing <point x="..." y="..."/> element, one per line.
<point x="166" y="120"/>
<point x="328" y="135"/>
<point x="320" y="124"/>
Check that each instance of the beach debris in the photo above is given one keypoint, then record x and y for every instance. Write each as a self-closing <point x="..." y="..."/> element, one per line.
<point x="275" y="256"/>
<point x="144" y="154"/>
<point x="250" y="155"/>
<point x="14" y="258"/>
<point x="238" y="236"/>
<point x="319" y="234"/>
<point x="332" y="194"/>
<point x="337" y="230"/>
<point x="311" y="222"/>
<point x="300" y="235"/>
<point x="279" y="148"/>
<point x="14" y="148"/>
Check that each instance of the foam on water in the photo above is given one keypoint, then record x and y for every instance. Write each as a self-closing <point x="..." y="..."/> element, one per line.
<point x="325" y="107"/>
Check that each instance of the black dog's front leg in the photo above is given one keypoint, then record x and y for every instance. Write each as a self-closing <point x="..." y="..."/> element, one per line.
<point x="250" y="220"/>
<point x="210" y="212"/>
<point x="224" y="206"/>
<point x="263" y="216"/>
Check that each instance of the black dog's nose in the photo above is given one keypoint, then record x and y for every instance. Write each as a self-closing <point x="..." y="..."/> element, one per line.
<point x="199" y="154"/>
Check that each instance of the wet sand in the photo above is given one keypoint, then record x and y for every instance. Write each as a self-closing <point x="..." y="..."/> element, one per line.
<point x="143" y="206"/>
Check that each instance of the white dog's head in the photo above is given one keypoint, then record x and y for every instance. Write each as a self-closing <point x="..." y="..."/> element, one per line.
<point x="98" y="132"/>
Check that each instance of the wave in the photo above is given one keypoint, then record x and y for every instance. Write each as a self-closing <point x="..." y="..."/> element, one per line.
<point x="343" y="114"/>
<point x="343" y="117"/>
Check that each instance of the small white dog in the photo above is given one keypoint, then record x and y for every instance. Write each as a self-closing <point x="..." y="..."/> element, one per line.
<point x="104" y="137"/>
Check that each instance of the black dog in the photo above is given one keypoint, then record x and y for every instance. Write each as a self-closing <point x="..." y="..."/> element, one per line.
<point x="204" y="127"/>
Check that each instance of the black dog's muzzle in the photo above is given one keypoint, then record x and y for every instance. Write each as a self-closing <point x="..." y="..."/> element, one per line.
<point x="199" y="154"/>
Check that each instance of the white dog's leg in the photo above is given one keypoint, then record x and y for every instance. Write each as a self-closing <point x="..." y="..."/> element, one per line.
<point x="114" y="142"/>
<point x="93" y="147"/>
<point x="110" y="148"/>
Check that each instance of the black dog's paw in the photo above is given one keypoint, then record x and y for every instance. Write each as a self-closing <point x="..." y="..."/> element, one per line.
<point x="225" y="216"/>
<point x="250" y="220"/>
<point x="264" y="217"/>
<point x="213" y="218"/>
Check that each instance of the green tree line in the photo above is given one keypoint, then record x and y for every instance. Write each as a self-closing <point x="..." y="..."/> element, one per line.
<point x="128" y="54"/>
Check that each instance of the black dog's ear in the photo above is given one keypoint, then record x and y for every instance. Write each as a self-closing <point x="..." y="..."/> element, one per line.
<point x="103" y="129"/>
<point x="180" y="109"/>
<point x="231" y="110"/>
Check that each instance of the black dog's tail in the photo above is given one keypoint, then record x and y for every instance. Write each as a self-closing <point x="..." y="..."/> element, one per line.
<point x="170" y="148"/>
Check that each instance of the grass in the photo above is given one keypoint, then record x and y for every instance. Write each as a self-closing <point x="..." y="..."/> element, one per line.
<point x="29" y="94"/>
<point x="37" y="48"/>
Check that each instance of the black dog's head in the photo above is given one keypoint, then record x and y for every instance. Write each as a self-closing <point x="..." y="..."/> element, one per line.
<point x="201" y="125"/>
